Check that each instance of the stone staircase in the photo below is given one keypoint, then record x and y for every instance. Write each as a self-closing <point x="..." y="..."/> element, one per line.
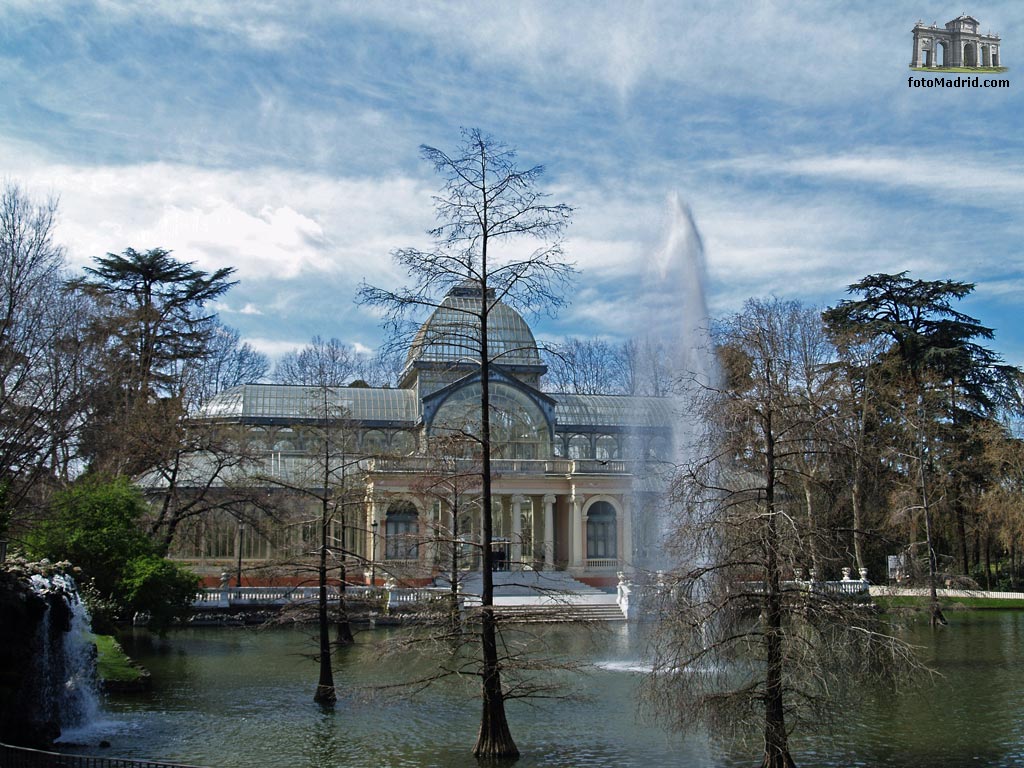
<point x="567" y="612"/>
<point x="540" y="596"/>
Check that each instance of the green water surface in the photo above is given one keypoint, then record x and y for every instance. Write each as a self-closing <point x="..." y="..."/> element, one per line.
<point x="238" y="697"/>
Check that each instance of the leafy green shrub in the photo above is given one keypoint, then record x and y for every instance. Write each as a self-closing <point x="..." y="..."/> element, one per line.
<point x="163" y="589"/>
<point x="96" y="525"/>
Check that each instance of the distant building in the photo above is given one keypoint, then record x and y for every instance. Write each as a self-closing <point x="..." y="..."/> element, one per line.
<point x="573" y="474"/>
<point x="959" y="44"/>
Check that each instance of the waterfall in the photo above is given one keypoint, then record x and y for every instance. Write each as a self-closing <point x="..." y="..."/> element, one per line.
<point x="63" y="689"/>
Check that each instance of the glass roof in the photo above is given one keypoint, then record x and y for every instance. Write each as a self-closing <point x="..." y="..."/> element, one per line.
<point x="281" y="401"/>
<point x="612" y="410"/>
<point x="452" y="334"/>
<point x="289" y="402"/>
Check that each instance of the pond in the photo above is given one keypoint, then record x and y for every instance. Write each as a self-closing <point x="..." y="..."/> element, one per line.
<point x="231" y="697"/>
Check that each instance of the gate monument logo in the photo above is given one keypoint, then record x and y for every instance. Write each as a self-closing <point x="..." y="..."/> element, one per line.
<point x="956" y="47"/>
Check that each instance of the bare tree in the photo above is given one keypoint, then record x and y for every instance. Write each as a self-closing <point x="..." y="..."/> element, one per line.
<point x="746" y="644"/>
<point x="228" y="361"/>
<point x="587" y="366"/>
<point x="487" y="207"/>
<point x="645" y="368"/>
<point x="452" y="480"/>
<point x="42" y="352"/>
<point x="329" y="478"/>
<point x="380" y="369"/>
<point x="322" y="363"/>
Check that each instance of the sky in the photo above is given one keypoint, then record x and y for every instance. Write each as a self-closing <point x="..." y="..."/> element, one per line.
<point x="282" y="138"/>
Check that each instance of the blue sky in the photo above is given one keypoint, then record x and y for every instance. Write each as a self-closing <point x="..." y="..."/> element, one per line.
<point x="282" y="138"/>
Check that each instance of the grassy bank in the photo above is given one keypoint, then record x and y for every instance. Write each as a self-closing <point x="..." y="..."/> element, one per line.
<point x="113" y="665"/>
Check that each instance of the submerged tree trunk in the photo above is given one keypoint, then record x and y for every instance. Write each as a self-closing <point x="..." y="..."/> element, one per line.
<point x="776" y="738"/>
<point x="325" y="694"/>
<point x="494" y="739"/>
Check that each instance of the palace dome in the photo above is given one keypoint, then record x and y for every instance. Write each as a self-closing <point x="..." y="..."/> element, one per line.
<point x="451" y="335"/>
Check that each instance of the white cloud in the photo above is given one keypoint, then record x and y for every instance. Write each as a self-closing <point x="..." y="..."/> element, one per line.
<point x="247" y="309"/>
<point x="976" y="179"/>
<point x="271" y="224"/>
<point x="273" y="348"/>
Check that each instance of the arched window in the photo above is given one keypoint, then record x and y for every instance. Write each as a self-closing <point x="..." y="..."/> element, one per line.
<point x="401" y="529"/>
<point x="257" y="439"/>
<point x="403" y="443"/>
<point x="374" y="442"/>
<point x="658" y="449"/>
<point x="519" y="429"/>
<point x="579" y="447"/>
<point x="607" y="448"/>
<point x="602" y="538"/>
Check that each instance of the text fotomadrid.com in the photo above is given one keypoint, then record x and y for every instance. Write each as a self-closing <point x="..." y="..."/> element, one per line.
<point x="955" y="82"/>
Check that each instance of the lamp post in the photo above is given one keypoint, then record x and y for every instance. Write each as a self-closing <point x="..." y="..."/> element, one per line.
<point x="241" y="540"/>
<point x="373" y="554"/>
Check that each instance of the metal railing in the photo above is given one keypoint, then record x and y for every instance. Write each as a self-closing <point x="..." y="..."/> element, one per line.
<point x="22" y="757"/>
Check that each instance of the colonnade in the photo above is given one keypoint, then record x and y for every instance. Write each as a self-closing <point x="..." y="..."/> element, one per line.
<point x="538" y="530"/>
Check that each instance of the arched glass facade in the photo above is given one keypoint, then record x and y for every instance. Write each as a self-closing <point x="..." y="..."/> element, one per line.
<point x="518" y="427"/>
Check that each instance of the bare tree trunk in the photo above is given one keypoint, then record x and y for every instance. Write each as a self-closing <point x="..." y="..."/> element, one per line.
<point x="776" y="738"/>
<point x="325" y="694"/>
<point x="343" y="632"/>
<point x="812" y="527"/>
<point x="1013" y="564"/>
<point x="961" y="534"/>
<point x="858" y="522"/>
<point x="494" y="739"/>
<point x="454" y="616"/>
<point x="988" y="560"/>
<point x="936" y="610"/>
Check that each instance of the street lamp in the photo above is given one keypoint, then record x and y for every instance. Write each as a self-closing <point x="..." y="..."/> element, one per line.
<point x="373" y="553"/>
<point x="241" y="540"/>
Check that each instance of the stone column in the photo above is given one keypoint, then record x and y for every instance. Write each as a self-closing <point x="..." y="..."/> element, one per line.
<point x="549" y="532"/>
<point x="516" y="554"/>
<point x="576" y="532"/>
<point x="915" y="60"/>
